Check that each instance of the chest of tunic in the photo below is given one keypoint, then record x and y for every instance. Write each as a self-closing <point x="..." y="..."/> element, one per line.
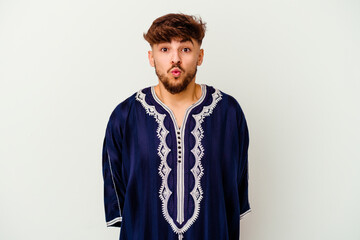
<point x="180" y="151"/>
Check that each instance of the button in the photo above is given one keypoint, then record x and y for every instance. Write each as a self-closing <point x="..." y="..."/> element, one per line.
<point x="179" y="147"/>
<point x="179" y="161"/>
<point x="179" y="151"/>
<point x="179" y="142"/>
<point x="179" y="137"/>
<point x="179" y="156"/>
<point x="178" y="132"/>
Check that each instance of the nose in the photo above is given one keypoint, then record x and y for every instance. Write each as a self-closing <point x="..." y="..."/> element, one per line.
<point x="175" y="58"/>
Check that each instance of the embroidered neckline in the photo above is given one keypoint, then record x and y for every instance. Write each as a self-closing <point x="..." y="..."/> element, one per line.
<point x="172" y="115"/>
<point x="197" y="151"/>
<point x="163" y="151"/>
<point x="180" y="132"/>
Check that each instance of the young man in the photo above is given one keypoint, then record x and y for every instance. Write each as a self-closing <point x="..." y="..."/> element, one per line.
<point x="175" y="154"/>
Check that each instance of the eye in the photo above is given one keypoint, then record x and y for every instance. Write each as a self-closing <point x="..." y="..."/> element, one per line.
<point x="186" y="50"/>
<point x="164" y="49"/>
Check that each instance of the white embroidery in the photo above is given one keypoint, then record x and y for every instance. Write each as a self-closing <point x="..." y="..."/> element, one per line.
<point x="198" y="152"/>
<point x="115" y="220"/>
<point x="115" y="189"/>
<point x="180" y="166"/>
<point x="163" y="151"/>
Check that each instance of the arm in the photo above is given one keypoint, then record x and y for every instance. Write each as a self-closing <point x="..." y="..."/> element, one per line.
<point x="114" y="189"/>
<point x="243" y="165"/>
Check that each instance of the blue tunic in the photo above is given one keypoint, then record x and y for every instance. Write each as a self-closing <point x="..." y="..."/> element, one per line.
<point x="162" y="182"/>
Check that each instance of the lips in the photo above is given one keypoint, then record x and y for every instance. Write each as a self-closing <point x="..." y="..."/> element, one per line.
<point x="176" y="72"/>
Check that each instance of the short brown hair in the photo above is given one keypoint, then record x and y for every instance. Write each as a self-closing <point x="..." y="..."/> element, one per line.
<point x="175" y="26"/>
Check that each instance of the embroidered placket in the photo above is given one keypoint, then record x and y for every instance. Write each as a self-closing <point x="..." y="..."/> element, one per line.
<point x="180" y="185"/>
<point x="197" y="151"/>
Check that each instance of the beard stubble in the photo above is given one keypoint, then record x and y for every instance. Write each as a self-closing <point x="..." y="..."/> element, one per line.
<point x="178" y="87"/>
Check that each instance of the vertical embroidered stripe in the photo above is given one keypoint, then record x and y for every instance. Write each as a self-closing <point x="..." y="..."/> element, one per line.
<point x="197" y="151"/>
<point x="180" y="166"/>
<point x="112" y="178"/>
<point x="163" y="151"/>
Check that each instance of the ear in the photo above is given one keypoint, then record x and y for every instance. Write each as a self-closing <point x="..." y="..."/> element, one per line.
<point x="201" y="57"/>
<point x="151" y="58"/>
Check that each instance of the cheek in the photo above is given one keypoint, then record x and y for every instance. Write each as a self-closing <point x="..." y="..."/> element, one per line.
<point x="160" y="66"/>
<point x="161" y="60"/>
<point x="191" y="62"/>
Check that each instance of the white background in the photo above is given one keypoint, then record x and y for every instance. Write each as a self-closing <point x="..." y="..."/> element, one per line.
<point x="292" y="65"/>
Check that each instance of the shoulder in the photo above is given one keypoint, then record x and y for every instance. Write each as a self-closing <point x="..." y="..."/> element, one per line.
<point x="123" y="109"/>
<point x="228" y="103"/>
<point x="233" y="110"/>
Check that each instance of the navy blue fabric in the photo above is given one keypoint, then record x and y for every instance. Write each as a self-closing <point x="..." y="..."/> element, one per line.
<point x="131" y="170"/>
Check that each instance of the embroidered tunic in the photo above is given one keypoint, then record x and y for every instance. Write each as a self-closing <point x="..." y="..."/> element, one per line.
<point x="162" y="182"/>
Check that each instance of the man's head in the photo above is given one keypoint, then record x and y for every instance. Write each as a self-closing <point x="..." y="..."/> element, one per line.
<point x="175" y="41"/>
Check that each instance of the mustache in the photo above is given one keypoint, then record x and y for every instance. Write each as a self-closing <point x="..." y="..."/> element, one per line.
<point x="177" y="66"/>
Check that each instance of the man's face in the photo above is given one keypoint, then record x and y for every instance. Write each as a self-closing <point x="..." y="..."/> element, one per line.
<point x="176" y="63"/>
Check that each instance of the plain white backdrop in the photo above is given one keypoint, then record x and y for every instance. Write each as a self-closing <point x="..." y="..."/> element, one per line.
<point x="292" y="65"/>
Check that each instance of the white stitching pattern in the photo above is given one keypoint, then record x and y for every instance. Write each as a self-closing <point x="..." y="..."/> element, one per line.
<point x="112" y="178"/>
<point x="198" y="152"/>
<point x="163" y="151"/>
<point x="115" y="220"/>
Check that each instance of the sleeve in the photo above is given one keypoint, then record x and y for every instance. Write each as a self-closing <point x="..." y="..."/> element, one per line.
<point x="114" y="189"/>
<point x="243" y="175"/>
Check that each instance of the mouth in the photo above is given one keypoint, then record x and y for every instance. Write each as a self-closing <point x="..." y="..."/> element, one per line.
<point x="176" y="72"/>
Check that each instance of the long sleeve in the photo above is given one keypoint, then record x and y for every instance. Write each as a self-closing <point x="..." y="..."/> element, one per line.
<point x="114" y="189"/>
<point x="243" y="175"/>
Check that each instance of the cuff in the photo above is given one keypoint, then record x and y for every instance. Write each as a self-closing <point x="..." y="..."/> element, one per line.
<point x="116" y="222"/>
<point x="244" y="213"/>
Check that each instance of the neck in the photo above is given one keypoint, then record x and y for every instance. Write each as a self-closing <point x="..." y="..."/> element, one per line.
<point x="189" y="96"/>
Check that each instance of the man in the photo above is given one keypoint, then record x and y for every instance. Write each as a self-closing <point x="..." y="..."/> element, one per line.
<point x="175" y="154"/>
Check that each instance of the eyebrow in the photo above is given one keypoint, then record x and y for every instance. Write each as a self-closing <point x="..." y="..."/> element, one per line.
<point x="187" y="40"/>
<point x="182" y="41"/>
